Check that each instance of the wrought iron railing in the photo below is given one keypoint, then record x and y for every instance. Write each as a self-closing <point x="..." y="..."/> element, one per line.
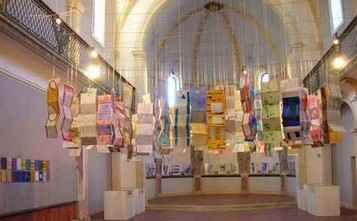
<point x="323" y="72"/>
<point x="36" y="20"/>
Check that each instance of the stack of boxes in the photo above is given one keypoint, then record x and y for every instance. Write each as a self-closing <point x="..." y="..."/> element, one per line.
<point x="127" y="197"/>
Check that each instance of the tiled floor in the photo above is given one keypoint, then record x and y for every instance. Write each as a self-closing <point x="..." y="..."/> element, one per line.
<point x="281" y="214"/>
<point x="289" y="214"/>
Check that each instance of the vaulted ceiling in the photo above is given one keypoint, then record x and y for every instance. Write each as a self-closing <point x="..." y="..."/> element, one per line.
<point x="157" y="36"/>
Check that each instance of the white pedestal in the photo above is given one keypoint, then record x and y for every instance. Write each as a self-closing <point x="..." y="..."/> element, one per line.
<point x="139" y="201"/>
<point x="318" y="162"/>
<point x="323" y="200"/>
<point x="319" y="200"/>
<point x="119" y="205"/>
<point x="301" y="196"/>
<point x="123" y="172"/>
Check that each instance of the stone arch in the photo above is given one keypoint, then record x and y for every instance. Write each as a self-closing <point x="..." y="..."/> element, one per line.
<point x="349" y="93"/>
<point x="145" y="10"/>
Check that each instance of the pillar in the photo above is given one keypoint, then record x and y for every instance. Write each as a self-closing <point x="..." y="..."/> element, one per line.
<point x="354" y="165"/>
<point x="75" y="9"/>
<point x="197" y="169"/>
<point x="244" y="170"/>
<point x="158" y="172"/>
<point x="284" y="169"/>
<point x="141" y="81"/>
<point x="294" y="58"/>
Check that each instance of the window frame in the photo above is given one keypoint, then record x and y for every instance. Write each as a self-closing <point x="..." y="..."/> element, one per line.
<point x="332" y="25"/>
<point x="99" y="39"/>
<point x="175" y="79"/>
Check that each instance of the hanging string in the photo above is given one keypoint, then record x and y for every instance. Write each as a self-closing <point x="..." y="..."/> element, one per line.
<point x="53" y="72"/>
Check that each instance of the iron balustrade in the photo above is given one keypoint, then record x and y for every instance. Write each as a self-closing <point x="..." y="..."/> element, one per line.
<point x="36" y="19"/>
<point x="40" y="21"/>
<point x="323" y="72"/>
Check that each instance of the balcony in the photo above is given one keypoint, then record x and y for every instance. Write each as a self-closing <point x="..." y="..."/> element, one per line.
<point x="323" y="73"/>
<point x="33" y="23"/>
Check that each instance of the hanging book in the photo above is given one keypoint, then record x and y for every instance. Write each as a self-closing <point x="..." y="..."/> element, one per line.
<point x="314" y="108"/>
<point x="118" y="124"/>
<point x="53" y="109"/>
<point x="88" y="117"/>
<point x="249" y="126"/>
<point x="144" y="128"/>
<point x="105" y="114"/>
<point x="67" y="99"/>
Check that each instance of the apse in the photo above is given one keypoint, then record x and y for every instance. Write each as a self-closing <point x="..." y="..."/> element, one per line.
<point x="209" y="43"/>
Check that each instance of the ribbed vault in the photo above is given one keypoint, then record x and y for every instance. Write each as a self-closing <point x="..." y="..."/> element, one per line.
<point x="298" y="38"/>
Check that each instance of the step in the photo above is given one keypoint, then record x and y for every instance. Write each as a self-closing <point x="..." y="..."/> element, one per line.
<point x="234" y="207"/>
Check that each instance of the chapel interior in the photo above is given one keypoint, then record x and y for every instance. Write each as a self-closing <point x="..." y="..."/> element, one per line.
<point x="167" y="110"/>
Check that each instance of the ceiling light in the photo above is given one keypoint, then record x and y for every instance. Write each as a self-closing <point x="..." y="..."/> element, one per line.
<point x="265" y="78"/>
<point x="93" y="54"/>
<point x="58" y="21"/>
<point x="339" y="62"/>
<point x="336" y="41"/>
<point x="93" y="72"/>
<point x="171" y="91"/>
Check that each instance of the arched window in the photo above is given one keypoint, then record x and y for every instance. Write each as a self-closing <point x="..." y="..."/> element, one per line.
<point x="173" y="85"/>
<point x="99" y="21"/>
<point x="336" y="14"/>
<point x="265" y="78"/>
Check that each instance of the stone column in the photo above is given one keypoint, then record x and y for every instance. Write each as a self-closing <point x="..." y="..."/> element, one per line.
<point x="158" y="172"/>
<point x="284" y="169"/>
<point x="244" y="170"/>
<point x="141" y="78"/>
<point x="197" y="169"/>
<point x="294" y="59"/>
<point x="75" y="9"/>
